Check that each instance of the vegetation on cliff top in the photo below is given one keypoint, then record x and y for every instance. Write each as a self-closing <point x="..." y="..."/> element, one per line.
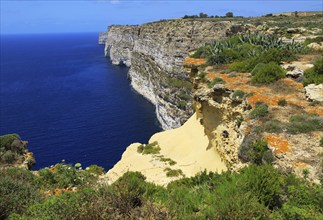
<point x="256" y="192"/>
<point x="256" y="53"/>
<point x="314" y="74"/>
<point x="12" y="150"/>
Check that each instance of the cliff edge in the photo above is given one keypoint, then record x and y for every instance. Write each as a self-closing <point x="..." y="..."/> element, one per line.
<point x="155" y="53"/>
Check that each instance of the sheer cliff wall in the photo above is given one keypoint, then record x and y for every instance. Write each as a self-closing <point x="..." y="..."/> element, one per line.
<point x="155" y="53"/>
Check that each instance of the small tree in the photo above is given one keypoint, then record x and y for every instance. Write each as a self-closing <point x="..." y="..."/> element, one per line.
<point x="229" y="14"/>
<point x="203" y="15"/>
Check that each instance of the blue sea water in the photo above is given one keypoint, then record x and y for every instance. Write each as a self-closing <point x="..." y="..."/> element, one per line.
<point x="61" y="94"/>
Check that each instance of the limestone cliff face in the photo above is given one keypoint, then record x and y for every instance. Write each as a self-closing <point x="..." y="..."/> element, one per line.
<point x="103" y="37"/>
<point x="155" y="53"/>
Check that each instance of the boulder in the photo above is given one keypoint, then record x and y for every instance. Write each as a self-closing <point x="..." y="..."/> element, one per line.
<point x="314" y="92"/>
<point x="316" y="46"/>
<point x="295" y="73"/>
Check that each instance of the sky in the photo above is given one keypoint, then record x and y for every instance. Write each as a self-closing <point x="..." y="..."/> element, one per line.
<point x="58" y="16"/>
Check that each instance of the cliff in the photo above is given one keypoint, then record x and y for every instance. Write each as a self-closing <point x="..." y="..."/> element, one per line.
<point x="103" y="37"/>
<point x="220" y="134"/>
<point x="155" y="53"/>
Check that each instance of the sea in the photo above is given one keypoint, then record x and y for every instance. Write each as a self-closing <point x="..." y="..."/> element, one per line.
<point x="59" y="93"/>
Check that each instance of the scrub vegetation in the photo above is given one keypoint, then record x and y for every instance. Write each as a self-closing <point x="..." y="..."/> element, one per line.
<point x="256" y="192"/>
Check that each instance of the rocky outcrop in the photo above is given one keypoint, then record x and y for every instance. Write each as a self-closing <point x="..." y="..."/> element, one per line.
<point x="314" y="92"/>
<point x="220" y="113"/>
<point x="155" y="53"/>
<point x="14" y="152"/>
<point x="103" y="37"/>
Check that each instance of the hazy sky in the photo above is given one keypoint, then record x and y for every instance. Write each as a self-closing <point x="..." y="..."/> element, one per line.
<point x="36" y="16"/>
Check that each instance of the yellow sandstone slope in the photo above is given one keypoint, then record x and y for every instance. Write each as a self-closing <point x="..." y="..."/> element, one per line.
<point x="187" y="145"/>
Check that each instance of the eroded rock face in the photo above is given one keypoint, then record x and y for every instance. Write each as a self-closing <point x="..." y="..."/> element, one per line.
<point x="103" y="37"/>
<point x="155" y="53"/>
<point x="219" y="113"/>
<point x="120" y="43"/>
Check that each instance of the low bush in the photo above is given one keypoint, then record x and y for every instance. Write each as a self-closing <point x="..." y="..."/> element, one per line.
<point x="238" y="94"/>
<point x="314" y="74"/>
<point x="267" y="73"/>
<point x="216" y="81"/>
<point x="95" y="169"/>
<point x="167" y="160"/>
<point x="256" y="192"/>
<point x="261" y="110"/>
<point x="11" y="149"/>
<point x="321" y="142"/>
<point x="258" y="148"/>
<point x="239" y="120"/>
<point x="17" y="191"/>
<point x="232" y="75"/>
<point x="152" y="148"/>
<point x="173" y="173"/>
<point x="178" y="83"/>
<point x="274" y="126"/>
<point x="202" y="75"/>
<point x="282" y="102"/>
<point x="128" y="192"/>
<point x="318" y="40"/>
<point x="199" y="53"/>
<point x="305" y="123"/>
<point x="66" y="176"/>
<point x="6" y="140"/>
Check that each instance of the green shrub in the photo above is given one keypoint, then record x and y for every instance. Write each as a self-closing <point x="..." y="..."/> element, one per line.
<point x="232" y="75"/>
<point x="6" y="140"/>
<point x="12" y="149"/>
<point x="265" y="183"/>
<point x="303" y="202"/>
<point x="216" y="81"/>
<point x="173" y="173"/>
<point x="152" y="148"/>
<point x="267" y="73"/>
<point x="260" y="111"/>
<point x="258" y="148"/>
<point x="8" y="157"/>
<point x="178" y="83"/>
<point x="17" y="191"/>
<point x="168" y="160"/>
<point x="244" y="66"/>
<point x="305" y="123"/>
<point x="202" y="75"/>
<point x="233" y="203"/>
<point x="65" y="176"/>
<point x="274" y="126"/>
<point x="238" y="94"/>
<point x="239" y="120"/>
<point x="318" y="39"/>
<point x="128" y="191"/>
<point x="282" y="102"/>
<point x="181" y="104"/>
<point x="199" y="53"/>
<point x="185" y="96"/>
<point x="95" y="169"/>
<point x="321" y="142"/>
<point x="256" y="192"/>
<point x="314" y="74"/>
